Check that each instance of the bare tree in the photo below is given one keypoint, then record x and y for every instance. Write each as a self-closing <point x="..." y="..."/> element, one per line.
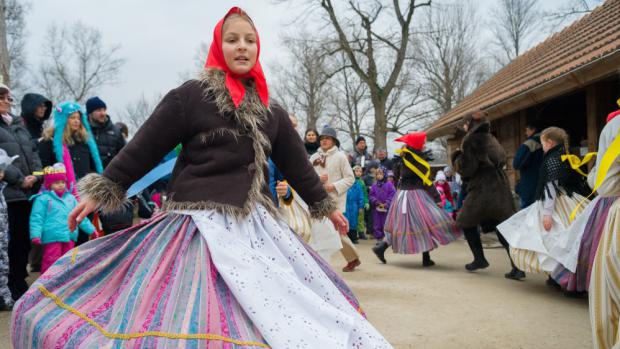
<point x="448" y="58"/>
<point x="569" y="11"/>
<point x="12" y="42"/>
<point x="350" y="104"/>
<point x="514" y="21"/>
<point x="200" y="58"/>
<point x="376" y="51"/>
<point x="138" y="111"/>
<point x="301" y="82"/>
<point x="77" y="63"/>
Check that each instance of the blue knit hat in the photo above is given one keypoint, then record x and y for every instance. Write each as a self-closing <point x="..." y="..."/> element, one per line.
<point x="93" y="104"/>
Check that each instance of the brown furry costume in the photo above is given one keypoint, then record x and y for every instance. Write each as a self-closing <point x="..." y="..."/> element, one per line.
<point x="481" y="163"/>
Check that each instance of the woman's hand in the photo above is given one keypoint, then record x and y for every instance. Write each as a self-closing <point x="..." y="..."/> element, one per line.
<point x="330" y="188"/>
<point x="80" y="212"/>
<point x="547" y="222"/>
<point x="340" y="222"/>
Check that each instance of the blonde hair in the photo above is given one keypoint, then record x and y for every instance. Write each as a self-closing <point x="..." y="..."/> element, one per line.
<point x="557" y="135"/>
<point x="68" y="137"/>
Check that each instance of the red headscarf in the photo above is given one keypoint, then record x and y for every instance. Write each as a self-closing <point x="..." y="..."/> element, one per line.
<point x="233" y="81"/>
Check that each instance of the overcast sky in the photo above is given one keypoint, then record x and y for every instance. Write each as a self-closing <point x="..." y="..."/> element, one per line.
<point x="159" y="38"/>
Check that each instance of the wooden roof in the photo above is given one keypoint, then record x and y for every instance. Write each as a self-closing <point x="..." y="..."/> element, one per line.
<point x="591" y="39"/>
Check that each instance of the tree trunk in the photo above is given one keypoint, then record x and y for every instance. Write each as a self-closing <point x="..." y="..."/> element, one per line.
<point x="5" y="61"/>
<point x="380" y="127"/>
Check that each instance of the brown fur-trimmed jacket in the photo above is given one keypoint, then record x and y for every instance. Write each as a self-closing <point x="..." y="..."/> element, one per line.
<point x="223" y="162"/>
<point x="480" y="162"/>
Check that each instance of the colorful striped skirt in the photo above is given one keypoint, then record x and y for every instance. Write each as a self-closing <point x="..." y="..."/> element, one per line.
<point x="530" y="242"/>
<point x="193" y="279"/>
<point x="415" y="223"/>
<point x="604" y="290"/>
<point x="579" y="280"/>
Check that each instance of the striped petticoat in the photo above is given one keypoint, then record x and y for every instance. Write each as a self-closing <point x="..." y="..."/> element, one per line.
<point x="604" y="289"/>
<point x="416" y="224"/>
<point x="193" y="279"/>
<point x="530" y="242"/>
<point x="590" y="237"/>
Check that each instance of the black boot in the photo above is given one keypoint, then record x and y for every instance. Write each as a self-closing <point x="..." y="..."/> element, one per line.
<point x="553" y="284"/>
<point x="353" y="236"/>
<point x="515" y="273"/>
<point x="426" y="260"/>
<point x="475" y="245"/>
<point x="379" y="251"/>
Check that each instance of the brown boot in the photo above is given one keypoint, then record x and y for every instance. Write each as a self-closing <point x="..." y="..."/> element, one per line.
<point x="352" y="265"/>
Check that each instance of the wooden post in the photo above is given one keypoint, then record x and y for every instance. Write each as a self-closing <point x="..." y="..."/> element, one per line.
<point x="5" y="61"/>
<point x="592" y="111"/>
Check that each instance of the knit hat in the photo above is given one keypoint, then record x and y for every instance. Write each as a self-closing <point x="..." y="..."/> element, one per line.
<point x="414" y="140"/>
<point x="330" y="132"/>
<point x="390" y="173"/>
<point x="93" y="104"/>
<point x="52" y="174"/>
<point x="356" y="167"/>
<point x="441" y="176"/>
<point x="359" y="139"/>
<point x="4" y="89"/>
<point x="5" y="159"/>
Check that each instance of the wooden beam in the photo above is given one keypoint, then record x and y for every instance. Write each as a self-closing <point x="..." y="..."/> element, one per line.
<point x="592" y="116"/>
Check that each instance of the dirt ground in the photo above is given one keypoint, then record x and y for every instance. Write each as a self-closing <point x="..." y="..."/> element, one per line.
<point x="445" y="307"/>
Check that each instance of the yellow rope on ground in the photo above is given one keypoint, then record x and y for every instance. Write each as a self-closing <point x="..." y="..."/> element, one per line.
<point x="127" y="336"/>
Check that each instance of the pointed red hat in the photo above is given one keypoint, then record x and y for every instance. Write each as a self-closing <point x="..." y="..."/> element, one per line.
<point x="415" y="140"/>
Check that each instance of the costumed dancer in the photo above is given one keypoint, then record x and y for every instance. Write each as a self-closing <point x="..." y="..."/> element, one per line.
<point x="380" y="197"/>
<point x="216" y="269"/>
<point x="355" y="206"/>
<point x="415" y="222"/>
<point x="487" y="198"/>
<point x="560" y="189"/>
<point x="50" y="214"/>
<point x="604" y="285"/>
<point x="335" y="173"/>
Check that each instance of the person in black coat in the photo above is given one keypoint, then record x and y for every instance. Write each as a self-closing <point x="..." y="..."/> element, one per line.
<point x="36" y="109"/>
<point x="19" y="176"/>
<point x="108" y="136"/>
<point x="527" y="161"/>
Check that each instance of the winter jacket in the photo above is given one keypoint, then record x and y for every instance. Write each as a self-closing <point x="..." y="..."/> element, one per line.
<point x="83" y="162"/>
<point x="223" y="161"/>
<point x="481" y="164"/>
<point x="49" y="216"/>
<point x="15" y="140"/>
<point x="355" y="202"/>
<point x="364" y="189"/>
<point x="356" y="158"/>
<point x="338" y="171"/>
<point x="387" y="163"/>
<point x="109" y="140"/>
<point x="528" y="160"/>
<point x="30" y="102"/>
<point x="381" y="193"/>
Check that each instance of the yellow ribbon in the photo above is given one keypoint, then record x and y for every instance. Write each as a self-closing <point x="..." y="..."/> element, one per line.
<point x="424" y="176"/>
<point x="576" y="163"/>
<point x="608" y="159"/>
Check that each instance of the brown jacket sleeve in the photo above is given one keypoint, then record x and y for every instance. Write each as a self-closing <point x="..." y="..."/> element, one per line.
<point x="289" y="155"/>
<point x="163" y="130"/>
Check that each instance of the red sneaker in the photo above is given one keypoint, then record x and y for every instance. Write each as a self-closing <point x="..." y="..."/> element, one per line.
<point x="352" y="265"/>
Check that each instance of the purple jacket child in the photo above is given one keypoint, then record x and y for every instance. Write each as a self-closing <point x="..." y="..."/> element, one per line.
<point x="380" y="196"/>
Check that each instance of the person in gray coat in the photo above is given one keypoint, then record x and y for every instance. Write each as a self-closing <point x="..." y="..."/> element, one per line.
<point x="15" y="140"/>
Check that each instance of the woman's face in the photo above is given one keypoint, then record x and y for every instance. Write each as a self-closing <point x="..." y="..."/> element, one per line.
<point x="327" y="143"/>
<point x="5" y="103"/>
<point x="311" y="137"/>
<point x="239" y="45"/>
<point x="74" y="123"/>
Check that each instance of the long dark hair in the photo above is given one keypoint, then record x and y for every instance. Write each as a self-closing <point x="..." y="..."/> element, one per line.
<point x="315" y="132"/>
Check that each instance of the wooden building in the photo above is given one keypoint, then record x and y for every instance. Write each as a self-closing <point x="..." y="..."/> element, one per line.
<point x="571" y="80"/>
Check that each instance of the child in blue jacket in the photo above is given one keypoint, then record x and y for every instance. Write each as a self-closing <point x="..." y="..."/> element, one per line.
<point x="49" y="218"/>
<point x="355" y="204"/>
